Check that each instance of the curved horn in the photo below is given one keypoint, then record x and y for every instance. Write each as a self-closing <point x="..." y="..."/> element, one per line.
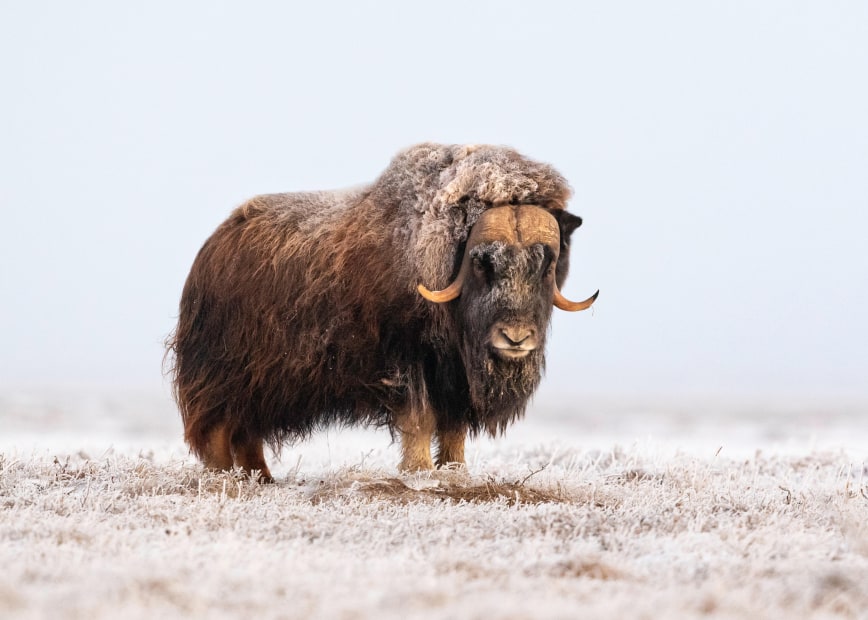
<point x="539" y="226"/>
<point x="573" y="306"/>
<point x="447" y="294"/>
<point x="492" y="224"/>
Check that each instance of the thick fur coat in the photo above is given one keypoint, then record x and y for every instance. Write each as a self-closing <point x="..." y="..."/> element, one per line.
<point x="301" y="310"/>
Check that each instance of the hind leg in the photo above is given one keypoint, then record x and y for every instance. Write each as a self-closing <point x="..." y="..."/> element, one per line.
<point x="218" y="450"/>
<point x="250" y="457"/>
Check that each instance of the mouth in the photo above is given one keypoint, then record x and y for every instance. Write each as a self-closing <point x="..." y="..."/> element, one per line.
<point x="511" y="353"/>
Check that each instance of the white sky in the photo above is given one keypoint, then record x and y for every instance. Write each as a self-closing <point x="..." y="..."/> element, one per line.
<point x="718" y="151"/>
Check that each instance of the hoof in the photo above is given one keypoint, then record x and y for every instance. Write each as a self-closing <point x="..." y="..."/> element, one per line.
<point x="261" y="476"/>
<point x="415" y="466"/>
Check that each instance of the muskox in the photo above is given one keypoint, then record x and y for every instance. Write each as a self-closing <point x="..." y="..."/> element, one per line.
<point x="309" y="309"/>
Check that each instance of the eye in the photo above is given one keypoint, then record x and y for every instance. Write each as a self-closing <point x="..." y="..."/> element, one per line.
<point x="548" y="269"/>
<point x="480" y="266"/>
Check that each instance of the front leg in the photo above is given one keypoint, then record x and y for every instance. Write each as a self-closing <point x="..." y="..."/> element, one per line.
<point x="450" y="446"/>
<point x="416" y="428"/>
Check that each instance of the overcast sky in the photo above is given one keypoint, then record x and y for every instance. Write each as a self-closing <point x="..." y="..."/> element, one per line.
<point x="718" y="152"/>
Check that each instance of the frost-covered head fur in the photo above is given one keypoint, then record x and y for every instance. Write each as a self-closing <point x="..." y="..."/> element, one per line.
<point x="443" y="189"/>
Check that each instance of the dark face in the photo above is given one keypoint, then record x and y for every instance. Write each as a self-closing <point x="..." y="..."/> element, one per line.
<point x="514" y="263"/>
<point x="506" y="302"/>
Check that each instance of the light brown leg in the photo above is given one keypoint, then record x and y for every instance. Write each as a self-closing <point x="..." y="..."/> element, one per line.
<point x="450" y="447"/>
<point x="218" y="453"/>
<point x="416" y="429"/>
<point x="249" y="456"/>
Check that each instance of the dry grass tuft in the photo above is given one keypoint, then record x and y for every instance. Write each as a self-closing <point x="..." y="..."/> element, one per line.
<point x="446" y="485"/>
<point x="509" y="493"/>
<point x="590" y="568"/>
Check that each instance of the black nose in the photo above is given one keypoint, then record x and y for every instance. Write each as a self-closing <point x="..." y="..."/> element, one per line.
<point x="516" y="335"/>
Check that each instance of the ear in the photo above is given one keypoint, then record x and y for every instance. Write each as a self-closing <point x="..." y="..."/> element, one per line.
<point x="567" y="223"/>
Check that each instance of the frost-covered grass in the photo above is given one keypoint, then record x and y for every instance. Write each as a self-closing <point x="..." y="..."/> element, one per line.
<point x="613" y="533"/>
<point x="104" y="515"/>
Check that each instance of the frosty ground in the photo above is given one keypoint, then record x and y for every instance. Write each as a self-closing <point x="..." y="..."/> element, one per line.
<point x="626" y="513"/>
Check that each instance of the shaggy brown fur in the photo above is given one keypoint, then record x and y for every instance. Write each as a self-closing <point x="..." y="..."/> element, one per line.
<point x="301" y="311"/>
